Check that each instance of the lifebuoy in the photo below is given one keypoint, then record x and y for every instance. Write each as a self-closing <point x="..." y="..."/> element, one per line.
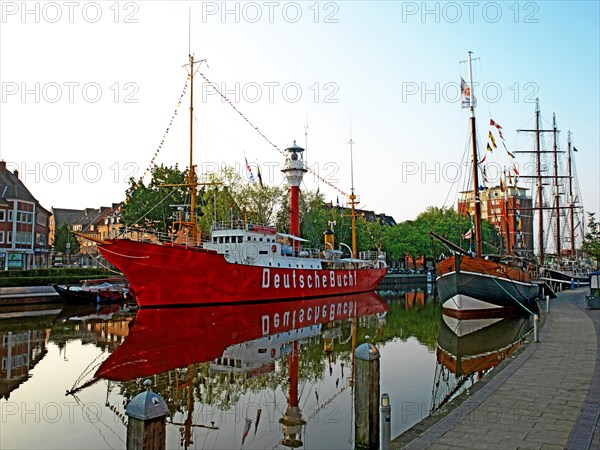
<point x="273" y="248"/>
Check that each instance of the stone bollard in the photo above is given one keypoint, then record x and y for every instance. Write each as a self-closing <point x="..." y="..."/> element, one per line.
<point x="535" y="328"/>
<point x="146" y="428"/>
<point x="547" y="304"/>
<point x="366" y="396"/>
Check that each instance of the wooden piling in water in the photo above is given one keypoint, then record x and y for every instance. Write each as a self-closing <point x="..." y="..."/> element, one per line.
<point x="366" y="396"/>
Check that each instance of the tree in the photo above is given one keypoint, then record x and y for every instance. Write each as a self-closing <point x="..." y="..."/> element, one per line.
<point x="591" y="240"/>
<point x="150" y="206"/>
<point x="63" y="236"/>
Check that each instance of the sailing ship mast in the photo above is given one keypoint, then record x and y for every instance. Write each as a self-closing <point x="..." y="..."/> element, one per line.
<point x="478" y="246"/>
<point x="191" y="174"/>
<point x="353" y="201"/>
<point x="571" y="201"/>
<point x="538" y="160"/>
<point x="556" y="187"/>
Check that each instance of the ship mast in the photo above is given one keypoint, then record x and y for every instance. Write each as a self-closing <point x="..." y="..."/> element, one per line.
<point x="478" y="246"/>
<point x="538" y="156"/>
<point x="192" y="175"/>
<point x="353" y="201"/>
<point x="556" y="187"/>
<point x="571" y="212"/>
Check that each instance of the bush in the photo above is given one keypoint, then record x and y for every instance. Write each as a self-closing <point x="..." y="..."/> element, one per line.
<point x="43" y="277"/>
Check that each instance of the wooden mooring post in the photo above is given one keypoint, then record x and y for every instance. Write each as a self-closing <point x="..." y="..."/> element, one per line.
<point x="366" y="396"/>
<point x="146" y="427"/>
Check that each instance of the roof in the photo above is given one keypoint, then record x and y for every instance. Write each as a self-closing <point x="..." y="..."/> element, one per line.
<point x="12" y="188"/>
<point x="370" y="216"/>
<point x="84" y="217"/>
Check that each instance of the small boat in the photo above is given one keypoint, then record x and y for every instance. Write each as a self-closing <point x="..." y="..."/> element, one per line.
<point x="94" y="291"/>
<point x="473" y="284"/>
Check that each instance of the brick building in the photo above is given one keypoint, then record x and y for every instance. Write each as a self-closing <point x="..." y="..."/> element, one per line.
<point x="508" y="210"/>
<point x="99" y="223"/>
<point x="24" y="225"/>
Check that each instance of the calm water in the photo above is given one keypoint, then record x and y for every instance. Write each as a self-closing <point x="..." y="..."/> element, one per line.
<point x="230" y="373"/>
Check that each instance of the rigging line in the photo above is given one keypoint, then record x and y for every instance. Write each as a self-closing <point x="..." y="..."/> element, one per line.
<point x="103" y="266"/>
<point x="88" y="369"/>
<point x="217" y="90"/>
<point x="156" y="206"/>
<point x="92" y="420"/>
<point x="508" y="293"/>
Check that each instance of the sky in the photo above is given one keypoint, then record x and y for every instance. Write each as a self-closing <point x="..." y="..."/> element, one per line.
<point x="89" y="89"/>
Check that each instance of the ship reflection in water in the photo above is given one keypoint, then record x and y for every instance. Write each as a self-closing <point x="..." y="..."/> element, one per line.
<point x="468" y="349"/>
<point x="206" y="360"/>
<point x="266" y="375"/>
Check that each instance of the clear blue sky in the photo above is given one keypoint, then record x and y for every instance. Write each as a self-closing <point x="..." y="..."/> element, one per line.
<point x="391" y="69"/>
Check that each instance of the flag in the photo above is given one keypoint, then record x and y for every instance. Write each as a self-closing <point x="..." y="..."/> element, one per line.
<point x="498" y="127"/>
<point x="465" y="95"/>
<point x="246" y="430"/>
<point x="318" y="189"/>
<point x="468" y="234"/>
<point x="337" y="201"/>
<point x="250" y="174"/>
<point x="509" y="153"/>
<point x="262" y="186"/>
<point x="492" y="140"/>
<point x="575" y="149"/>
<point x="488" y="148"/>
<point x="502" y="187"/>
<point x="484" y="156"/>
<point x="515" y="170"/>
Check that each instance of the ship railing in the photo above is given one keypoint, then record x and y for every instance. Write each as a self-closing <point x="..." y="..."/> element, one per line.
<point x="239" y="225"/>
<point x="159" y="237"/>
<point x="372" y="255"/>
<point x="228" y="225"/>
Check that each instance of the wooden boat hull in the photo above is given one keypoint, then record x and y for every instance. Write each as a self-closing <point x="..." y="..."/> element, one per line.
<point x="558" y="276"/>
<point x="475" y="286"/>
<point x="87" y="297"/>
<point x="172" y="275"/>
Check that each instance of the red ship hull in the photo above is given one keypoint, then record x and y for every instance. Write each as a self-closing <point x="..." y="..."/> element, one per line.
<point x="163" y="339"/>
<point x="163" y="275"/>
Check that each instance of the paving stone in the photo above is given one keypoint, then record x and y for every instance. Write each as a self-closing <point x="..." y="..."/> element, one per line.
<point x="547" y="397"/>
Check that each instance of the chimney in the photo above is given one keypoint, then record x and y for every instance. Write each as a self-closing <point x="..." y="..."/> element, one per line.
<point x="2" y="166"/>
<point x="16" y="172"/>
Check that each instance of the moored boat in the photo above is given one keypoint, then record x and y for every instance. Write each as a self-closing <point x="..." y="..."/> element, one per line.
<point x="473" y="284"/>
<point x="94" y="291"/>
<point x="240" y="261"/>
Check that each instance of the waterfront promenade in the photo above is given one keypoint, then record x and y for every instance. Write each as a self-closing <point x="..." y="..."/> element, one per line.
<point x="547" y="397"/>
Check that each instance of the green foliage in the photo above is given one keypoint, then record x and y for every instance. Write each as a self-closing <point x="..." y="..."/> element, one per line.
<point x="63" y="236"/>
<point x="44" y="277"/>
<point x="148" y="206"/>
<point x="412" y="237"/>
<point x="232" y="197"/>
<point x="591" y="240"/>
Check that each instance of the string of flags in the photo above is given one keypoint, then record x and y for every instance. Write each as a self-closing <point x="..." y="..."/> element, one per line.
<point x="491" y="145"/>
<point x="159" y="147"/>
<point x="225" y="99"/>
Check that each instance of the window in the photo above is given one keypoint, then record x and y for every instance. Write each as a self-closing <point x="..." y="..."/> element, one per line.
<point x="10" y="215"/>
<point x="1" y="237"/>
<point x="9" y="237"/>
<point x="2" y="215"/>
